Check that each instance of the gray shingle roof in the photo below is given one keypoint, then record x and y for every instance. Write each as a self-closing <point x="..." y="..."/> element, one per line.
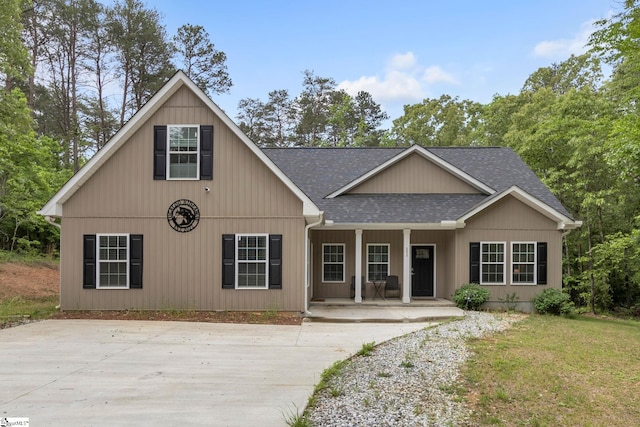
<point x="321" y="171"/>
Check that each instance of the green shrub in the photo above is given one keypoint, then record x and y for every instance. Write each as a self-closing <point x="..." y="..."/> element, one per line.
<point x="471" y="296"/>
<point x="553" y="301"/>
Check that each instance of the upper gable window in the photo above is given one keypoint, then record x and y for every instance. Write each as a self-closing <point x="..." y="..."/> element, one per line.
<point x="183" y="148"/>
<point x="182" y="152"/>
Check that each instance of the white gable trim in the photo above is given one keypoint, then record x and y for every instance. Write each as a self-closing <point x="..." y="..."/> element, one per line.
<point x="563" y="221"/>
<point x="427" y="155"/>
<point x="54" y="206"/>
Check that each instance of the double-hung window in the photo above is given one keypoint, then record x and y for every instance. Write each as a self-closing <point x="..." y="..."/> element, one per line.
<point x="377" y="261"/>
<point x="523" y="263"/>
<point x="252" y="261"/>
<point x="492" y="263"/>
<point x="113" y="261"/>
<point x="183" y="148"/>
<point x="333" y="262"/>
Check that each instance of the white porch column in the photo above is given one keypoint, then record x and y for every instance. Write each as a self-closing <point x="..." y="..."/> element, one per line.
<point x="406" y="266"/>
<point x="358" y="271"/>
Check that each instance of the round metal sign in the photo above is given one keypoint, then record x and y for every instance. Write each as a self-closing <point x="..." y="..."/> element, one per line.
<point x="183" y="215"/>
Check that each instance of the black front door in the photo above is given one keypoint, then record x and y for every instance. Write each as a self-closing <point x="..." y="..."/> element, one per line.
<point x="422" y="271"/>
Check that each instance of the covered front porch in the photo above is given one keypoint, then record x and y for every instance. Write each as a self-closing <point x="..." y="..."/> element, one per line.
<point x="361" y="265"/>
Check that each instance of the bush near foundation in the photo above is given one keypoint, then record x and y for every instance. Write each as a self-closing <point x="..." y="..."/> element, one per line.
<point x="470" y="296"/>
<point x="553" y="301"/>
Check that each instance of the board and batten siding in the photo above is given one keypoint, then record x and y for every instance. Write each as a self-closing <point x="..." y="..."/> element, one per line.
<point x="414" y="174"/>
<point x="510" y="220"/>
<point x="183" y="270"/>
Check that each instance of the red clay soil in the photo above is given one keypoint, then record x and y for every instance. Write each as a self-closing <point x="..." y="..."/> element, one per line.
<point x="38" y="280"/>
<point x="28" y="281"/>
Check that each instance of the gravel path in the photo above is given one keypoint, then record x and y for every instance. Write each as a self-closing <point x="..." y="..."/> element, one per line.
<point x="406" y="381"/>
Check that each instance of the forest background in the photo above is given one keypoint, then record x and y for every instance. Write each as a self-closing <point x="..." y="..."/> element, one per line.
<point x="578" y="130"/>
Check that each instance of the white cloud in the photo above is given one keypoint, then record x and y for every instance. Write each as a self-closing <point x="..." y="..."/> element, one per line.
<point x="563" y="48"/>
<point x="435" y="74"/>
<point x="405" y="80"/>
<point x="402" y="61"/>
<point x="395" y="85"/>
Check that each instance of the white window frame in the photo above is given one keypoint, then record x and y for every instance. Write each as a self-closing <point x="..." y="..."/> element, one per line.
<point x="534" y="263"/>
<point x="238" y="261"/>
<point x="196" y="152"/>
<point x="504" y="263"/>
<point x="99" y="261"/>
<point x="324" y="262"/>
<point x="388" y="246"/>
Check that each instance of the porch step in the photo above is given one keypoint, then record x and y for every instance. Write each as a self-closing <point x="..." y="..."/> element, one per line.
<point x="382" y="313"/>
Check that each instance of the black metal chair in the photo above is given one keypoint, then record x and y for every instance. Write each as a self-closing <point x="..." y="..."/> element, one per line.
<point x="391" y="284"/>
<point x="363" y="285"/>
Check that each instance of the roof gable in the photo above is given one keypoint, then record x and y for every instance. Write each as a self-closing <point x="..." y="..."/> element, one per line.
<point x="414" y="174"/>
<point x="426" y="154"/>
<point x="54" y="206"/>
<point x="563" y="221"/>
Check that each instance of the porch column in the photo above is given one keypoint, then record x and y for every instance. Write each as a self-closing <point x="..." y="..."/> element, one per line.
<point x="406" y="266"/>
<point x="358" y="271"/>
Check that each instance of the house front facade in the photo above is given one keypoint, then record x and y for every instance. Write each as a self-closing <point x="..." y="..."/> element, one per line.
<point x="180" y="210"/>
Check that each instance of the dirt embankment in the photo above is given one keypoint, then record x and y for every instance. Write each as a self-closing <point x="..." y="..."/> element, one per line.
<point x="28" y="281"/>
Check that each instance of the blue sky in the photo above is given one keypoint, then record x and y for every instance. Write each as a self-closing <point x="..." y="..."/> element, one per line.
<point x="399" y="51"/>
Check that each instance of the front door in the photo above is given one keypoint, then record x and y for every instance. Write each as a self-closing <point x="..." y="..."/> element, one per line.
<point x="422" y="271"/>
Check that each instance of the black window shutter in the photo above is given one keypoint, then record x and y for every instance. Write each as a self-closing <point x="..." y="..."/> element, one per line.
<point x="474" y="262"/>
<point x="275" y="261"/>
<point x="542" y="263"/>
<point x="159" y="152"/>
<point x="206" y="152"/>
<point x="89" y="262"/>
<point x="228" y="261"/>
<point x="135" y="261"/>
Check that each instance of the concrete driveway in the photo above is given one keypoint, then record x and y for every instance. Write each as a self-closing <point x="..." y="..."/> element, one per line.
<point x="101" y="372"/>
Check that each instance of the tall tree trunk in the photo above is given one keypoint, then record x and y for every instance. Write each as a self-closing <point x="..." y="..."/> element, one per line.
<point x="591" y="276"/>
<point x="125" y="91"/>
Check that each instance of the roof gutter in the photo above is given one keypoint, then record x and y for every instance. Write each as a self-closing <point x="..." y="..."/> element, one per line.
<point x="307" y="282"/>
<point x="442" y="225"/>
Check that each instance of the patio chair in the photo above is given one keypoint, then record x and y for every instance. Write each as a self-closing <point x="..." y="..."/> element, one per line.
<point x="363" y="285"/>
<point x="392" y="285"/>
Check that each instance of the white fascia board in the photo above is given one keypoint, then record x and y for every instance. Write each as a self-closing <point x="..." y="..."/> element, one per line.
<point x="564" y="222"/>
<point x="427" y="155"/>
<point x="54" y="206"/>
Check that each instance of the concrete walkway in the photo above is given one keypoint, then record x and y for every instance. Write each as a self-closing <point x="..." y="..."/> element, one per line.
<point x="143" y="373"/>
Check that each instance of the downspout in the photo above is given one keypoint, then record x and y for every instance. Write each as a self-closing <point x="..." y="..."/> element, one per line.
<point x="52" y="221"/>
<point x="307" y="261"/>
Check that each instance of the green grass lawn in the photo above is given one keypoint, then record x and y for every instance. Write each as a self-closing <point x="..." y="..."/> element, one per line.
<point x="555" y="371"/>
<point x="13" y="309"/>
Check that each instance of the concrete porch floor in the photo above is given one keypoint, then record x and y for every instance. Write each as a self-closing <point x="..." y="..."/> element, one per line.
<point x="381" y="310"/>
